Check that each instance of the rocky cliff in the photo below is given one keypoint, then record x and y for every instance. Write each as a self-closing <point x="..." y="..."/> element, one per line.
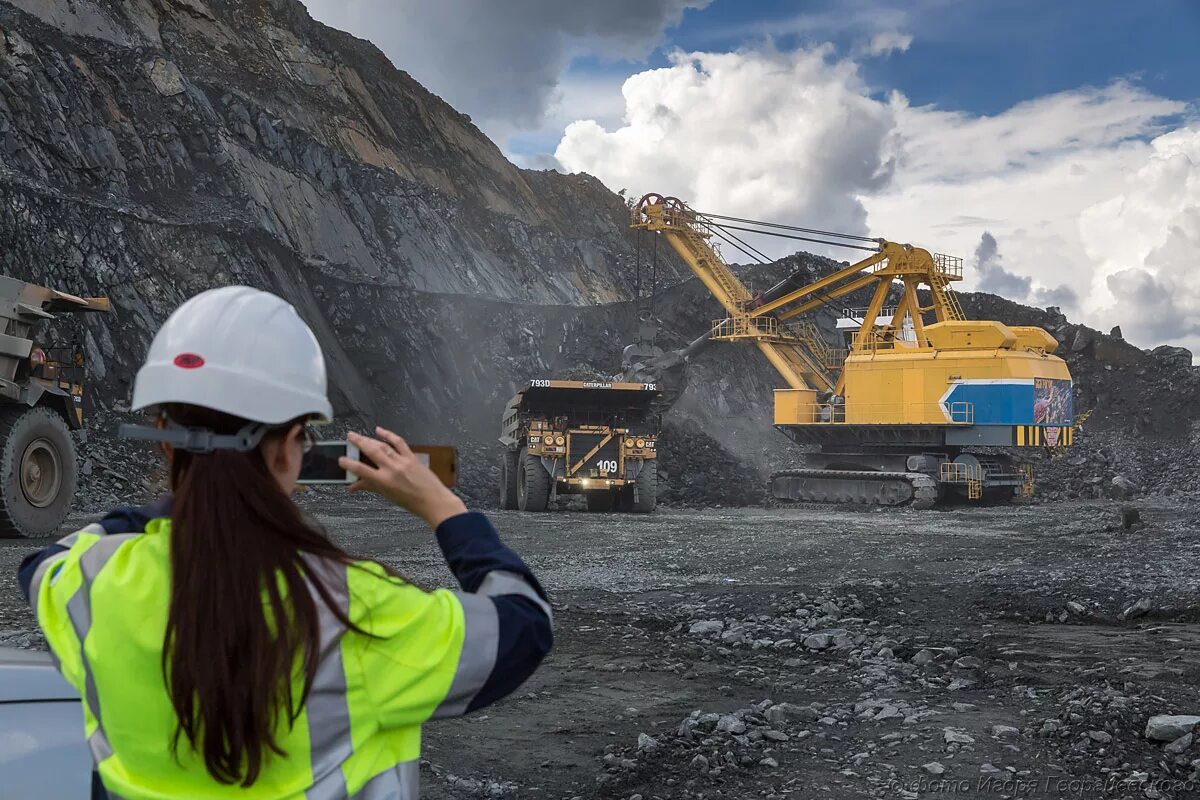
<point x="153" y="148"/>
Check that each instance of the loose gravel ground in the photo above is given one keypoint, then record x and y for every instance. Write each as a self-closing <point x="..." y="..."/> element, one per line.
<point x="809" y="652"/>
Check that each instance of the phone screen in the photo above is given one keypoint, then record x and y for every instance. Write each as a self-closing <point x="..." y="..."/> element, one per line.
<point x="320" y="464"/>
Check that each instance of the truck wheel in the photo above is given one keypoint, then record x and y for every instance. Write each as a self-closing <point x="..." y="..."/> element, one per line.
<point x="647" y="489"/>
<point x="37" y="472"/>
<point x="533" y="484"/>
<point x="508" y="479"/>
<point x="601" y="502"/>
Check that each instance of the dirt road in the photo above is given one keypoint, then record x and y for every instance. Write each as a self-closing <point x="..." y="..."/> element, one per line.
<point x="804" y="652"/>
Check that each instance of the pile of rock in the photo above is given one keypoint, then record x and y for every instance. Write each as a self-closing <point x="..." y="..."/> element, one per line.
<point x="115" y="471"/>
<point x="707" y="746"/>
<point x="696" y="470"/>
<point x="1180" y="734"/>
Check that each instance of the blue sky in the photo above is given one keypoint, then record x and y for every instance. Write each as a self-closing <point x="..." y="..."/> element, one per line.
<point x="975" y="57"/>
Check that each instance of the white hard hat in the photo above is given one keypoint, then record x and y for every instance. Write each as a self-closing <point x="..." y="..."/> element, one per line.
<point x="240" y="351"/>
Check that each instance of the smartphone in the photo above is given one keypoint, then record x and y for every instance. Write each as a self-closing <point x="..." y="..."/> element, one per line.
<point x="320" y="465"/>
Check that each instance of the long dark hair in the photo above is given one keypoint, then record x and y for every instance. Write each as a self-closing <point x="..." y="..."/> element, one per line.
<point x="241" y="605"/>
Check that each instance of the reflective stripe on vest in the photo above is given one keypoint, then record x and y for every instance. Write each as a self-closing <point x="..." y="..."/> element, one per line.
<point x="39" y="574"/>
<point x="400" y="783"/>
<point x="475" y="663"/>
<point x="79" y="609"/>
<point x="328" y="711"/>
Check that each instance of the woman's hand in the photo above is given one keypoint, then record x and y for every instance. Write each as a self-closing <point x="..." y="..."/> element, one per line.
<point x="401" y="477"/>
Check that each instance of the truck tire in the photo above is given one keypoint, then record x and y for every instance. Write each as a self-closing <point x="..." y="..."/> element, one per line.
<point x="600" y="502"/>
<point x="647" y="488"/>
<point x="37" y="472"/>
<point x="508" y="479"/>
<point x="533" y="484"/>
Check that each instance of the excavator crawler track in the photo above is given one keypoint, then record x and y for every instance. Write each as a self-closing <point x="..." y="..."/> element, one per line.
<point x="869" y="488"/>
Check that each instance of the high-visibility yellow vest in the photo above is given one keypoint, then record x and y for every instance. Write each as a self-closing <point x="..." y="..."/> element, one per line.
<point x="103" y="607"/>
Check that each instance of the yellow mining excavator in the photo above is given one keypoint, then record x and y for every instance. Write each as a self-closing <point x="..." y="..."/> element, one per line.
<point x="913" y="409"/>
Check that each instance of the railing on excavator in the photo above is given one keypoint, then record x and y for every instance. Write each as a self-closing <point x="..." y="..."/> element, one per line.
<point x="950" y="266"/>
<point x="873" y="343"/>
<point x="956" y="413"/>
<point x="800" y="332"/>
<point x="969" y="474"/>
<point x="859" y="313"/>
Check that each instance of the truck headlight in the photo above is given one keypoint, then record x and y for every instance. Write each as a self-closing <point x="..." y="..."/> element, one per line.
<point x="560" y="441"/>
<point x="629" y="443"/>
<point x="641" y="443"/>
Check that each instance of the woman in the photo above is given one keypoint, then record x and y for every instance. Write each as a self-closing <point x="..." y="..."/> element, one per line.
<point x="222" y="644"/>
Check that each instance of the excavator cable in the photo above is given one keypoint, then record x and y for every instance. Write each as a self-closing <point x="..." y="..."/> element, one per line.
<point x="734" y="242"/>
<point x="716" y="229"/>
<point x="805" y="238"/>
<point x="755" y="252"/>
<point x="653" y="270"/>
<point x="637" y="280"/>
<point x="787" y="227"/>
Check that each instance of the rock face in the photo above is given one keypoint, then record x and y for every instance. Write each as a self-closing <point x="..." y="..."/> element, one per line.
<point x="153" y="148"/>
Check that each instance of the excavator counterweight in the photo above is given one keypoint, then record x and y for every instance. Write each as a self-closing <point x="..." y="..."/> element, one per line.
<point x="900" y="414"/>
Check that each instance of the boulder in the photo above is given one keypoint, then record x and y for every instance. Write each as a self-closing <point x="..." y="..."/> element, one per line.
<point x="1175" y="356"/>
<point x="1170" y="727"/>
<point x="706" y="627"/>
<point x="1122" y="488"/>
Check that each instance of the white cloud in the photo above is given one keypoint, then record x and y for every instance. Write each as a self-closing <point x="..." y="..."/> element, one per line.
<point x="501" y="62"/>
<point x="1026" y="176"/>
<point x="838" y="18"/>
<point x="770" y="135"/>
<point x="886" y="43"/>
<point x="1145" y="240"/>
<point x="1077" y="188"/>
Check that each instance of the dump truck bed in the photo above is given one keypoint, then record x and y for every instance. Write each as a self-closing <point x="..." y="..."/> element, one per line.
<point x="601" y="396"/>
<point x="582" y="401"/>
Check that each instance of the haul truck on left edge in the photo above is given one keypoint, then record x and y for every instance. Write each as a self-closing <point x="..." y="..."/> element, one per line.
<point x="41" y="402"/>
<point x="594" y="438"/>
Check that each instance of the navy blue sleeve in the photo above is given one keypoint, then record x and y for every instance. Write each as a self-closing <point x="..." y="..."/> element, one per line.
<point x="126" y="519"/>
<point x="29" y="566"/>
<point x="473" y="550"/>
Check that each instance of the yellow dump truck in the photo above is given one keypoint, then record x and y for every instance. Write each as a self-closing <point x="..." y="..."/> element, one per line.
<point x="41" y="402"/>
<point x="594" y="438"/>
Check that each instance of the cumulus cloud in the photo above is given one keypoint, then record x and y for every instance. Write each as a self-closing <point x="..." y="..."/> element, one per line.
<point x="1062" y="296"/>
<point x="771" y="135"/>
<point x="1093" y="194"/>
<point x="1145" y="242"/>
<point x="993" y="277"/>
<point x="501" y="61"/>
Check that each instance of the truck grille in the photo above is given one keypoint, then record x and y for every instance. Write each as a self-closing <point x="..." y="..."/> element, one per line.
<point x="582" y="444"/>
